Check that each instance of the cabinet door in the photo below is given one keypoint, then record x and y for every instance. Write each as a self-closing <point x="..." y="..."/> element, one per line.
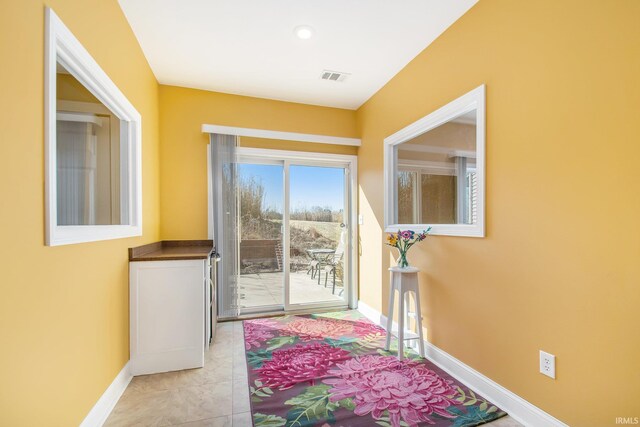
<point x="167" y="316"/>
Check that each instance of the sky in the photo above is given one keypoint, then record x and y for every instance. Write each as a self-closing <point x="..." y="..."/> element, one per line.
<point x="309" y="185"/>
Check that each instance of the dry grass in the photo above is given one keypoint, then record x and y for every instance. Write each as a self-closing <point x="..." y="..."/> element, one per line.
<point x="311" y="228"/>
<point x="330" y="230"/>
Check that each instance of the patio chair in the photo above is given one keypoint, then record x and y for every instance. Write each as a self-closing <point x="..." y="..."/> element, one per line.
<point x="313" y="267"/>
<point x="334" y="264"/>
<point x="334" y="268"/>
<point x="317" y="262"/>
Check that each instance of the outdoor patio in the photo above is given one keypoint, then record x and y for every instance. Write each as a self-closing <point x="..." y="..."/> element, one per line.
<point x="261" y="289"/>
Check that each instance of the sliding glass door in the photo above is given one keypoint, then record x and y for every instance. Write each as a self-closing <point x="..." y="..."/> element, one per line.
<point x="294" y="231"/>
<point x="260" y="231"/>
<point x="318" y="234"/>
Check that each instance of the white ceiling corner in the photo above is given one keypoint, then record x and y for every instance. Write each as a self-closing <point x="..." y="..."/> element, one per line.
<point x="247" y="47"/>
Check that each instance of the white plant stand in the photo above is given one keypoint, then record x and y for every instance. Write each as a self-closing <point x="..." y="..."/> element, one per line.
<point x="405" y="280"/>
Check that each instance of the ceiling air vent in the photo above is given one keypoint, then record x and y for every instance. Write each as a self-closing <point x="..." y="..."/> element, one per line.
<point x="335" y="76"/>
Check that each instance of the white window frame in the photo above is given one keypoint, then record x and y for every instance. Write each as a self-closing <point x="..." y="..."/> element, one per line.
<point x="307" y="158"/>
<point x="473" y="100"/>
<point x="61" y="45"/>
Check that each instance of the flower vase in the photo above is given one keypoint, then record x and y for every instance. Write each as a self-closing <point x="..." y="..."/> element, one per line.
<point x="402" y="260"/>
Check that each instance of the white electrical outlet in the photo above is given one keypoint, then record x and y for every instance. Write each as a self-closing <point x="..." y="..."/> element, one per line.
<point x="547" y="364"/>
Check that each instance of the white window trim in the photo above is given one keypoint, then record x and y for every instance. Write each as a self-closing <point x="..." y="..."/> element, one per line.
<point x="61" y="44"/>
<point x="473" y="100"/>
<point x="287" y="136"/>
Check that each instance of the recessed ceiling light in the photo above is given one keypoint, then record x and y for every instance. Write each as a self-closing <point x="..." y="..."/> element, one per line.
<point x="303" y="32"/>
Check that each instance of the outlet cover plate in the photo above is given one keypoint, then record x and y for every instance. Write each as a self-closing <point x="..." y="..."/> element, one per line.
<point x="547" y="364"/>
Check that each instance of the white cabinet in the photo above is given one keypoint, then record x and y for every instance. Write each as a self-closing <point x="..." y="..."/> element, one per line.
<point x="167" y="315"/>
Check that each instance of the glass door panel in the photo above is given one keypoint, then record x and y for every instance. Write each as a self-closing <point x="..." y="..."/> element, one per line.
<point x="261" y="255"/>
<point x="318" y="235"/>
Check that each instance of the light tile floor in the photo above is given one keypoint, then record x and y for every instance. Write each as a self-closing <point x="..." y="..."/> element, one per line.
<point x="214" y="396"/>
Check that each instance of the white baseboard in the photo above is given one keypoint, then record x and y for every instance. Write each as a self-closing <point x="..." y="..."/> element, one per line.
<point x="103" y="407"/>
<point x="518" y="408"/>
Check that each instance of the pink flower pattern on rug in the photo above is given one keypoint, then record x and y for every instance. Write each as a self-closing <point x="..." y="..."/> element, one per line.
<point x="408" y="390"/>
<point x="332" y="370"/>
<point x="298" y="364"/>
<point x="317" y="329"/>
<point x="364" y="327"/>
<point x="258" y="331"/>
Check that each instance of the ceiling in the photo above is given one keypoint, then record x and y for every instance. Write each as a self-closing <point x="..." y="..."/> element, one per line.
<point x="248" y="47"/>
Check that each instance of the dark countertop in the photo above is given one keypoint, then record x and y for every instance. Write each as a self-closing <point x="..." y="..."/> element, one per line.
<point x="166" y="250"/>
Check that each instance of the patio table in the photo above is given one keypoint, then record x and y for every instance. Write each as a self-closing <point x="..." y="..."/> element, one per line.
<point x="320" y="254"/>
<point x="319" y="258"/>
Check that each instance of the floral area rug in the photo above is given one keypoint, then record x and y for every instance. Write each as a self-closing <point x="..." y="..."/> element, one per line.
<point x="331" y="369"/>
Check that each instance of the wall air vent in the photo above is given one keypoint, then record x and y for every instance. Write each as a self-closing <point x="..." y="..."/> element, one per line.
<point x="334" y="76"/>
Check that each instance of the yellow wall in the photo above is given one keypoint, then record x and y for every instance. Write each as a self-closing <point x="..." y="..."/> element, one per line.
<point x="64" y="329"/>
<point x="559" y="269"/>
<point x="69" y="88"/>
<point x="183" y="145"/>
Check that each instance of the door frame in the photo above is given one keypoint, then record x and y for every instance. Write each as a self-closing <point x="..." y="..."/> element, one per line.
<point x="351" y="203"/>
